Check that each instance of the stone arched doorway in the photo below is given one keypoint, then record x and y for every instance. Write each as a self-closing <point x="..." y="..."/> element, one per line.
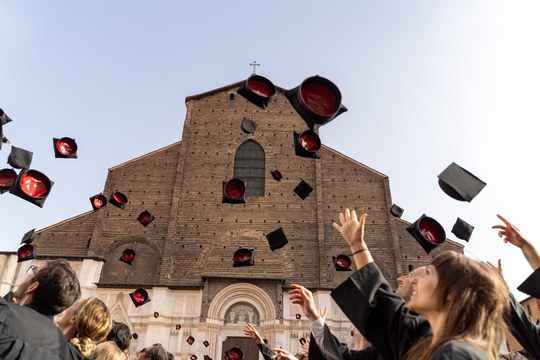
<point x="231" y="309"/>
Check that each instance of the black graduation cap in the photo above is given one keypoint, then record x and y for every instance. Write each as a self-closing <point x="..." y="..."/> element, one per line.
<point x="462" y="229"/>
<point x="459" y="183"/>
<point x="531" y="285"/>
<point x="396" y="211"/>
<point x="243" y="257"/>
<point x="276" y="239"/>
<point x="7" y="179"/>
<point x="135" y="336"/>
<point x="32" y="186"/>
<point x="178" y="326"/>
<point x="206" y="357"/>
<point x="276" y="174"/>
<point x="298" y="316"/>
<point x="139" y="297"/>
<point x="118" y="199"/>
<point x="307" y="144"/>
<point x="98" y="201"/>
<point x="235" y="353"/>
<point x="258" y="90"/>
<point x="317" y="100"/>
<point x="193" y="357"/>
<point x="428" y="232"/>
<point x="342" y="262"/>
<point x="128" y="255"/>
<point x="156" y="314"/>
<point x="248" y="126"/>
<point x="233" y="191"/>
<point x="190" y="340"/>
<point x="4" y="119"/>
<point x="206" y="343"/>
<point x="20" y="158"/>
<point x="145" y="218"/>
<point x="65" y="148"/>
<point x="26" y="252"/>
<point x="303" y="189"/>
<point x="29" y="236"/>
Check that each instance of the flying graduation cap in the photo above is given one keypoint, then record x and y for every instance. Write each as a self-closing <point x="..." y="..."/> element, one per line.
<point x="29" y="236"/>
<point x="235" y="353"/>
<point x="462" y="229"/>
<point x="248" y="126"/>
<point x="145" y="218"/>
<point x="7" y="179"/>
<point x="276" y="175"/>
<point x="32" y="186"/>
<point x="459" y="183"/>
<point x="303" y="189"/>
<point x="4" y="119"/>
<point x="128" y="255"/>
<point x="276" y="239"/>
<point x="396" y="211"/>
<point x="428" y="232"/>
<point x="243" y="257"/>
<point x="98" y="201"/>
<point x="317" y="100"/>
<point x="342" y="262"/>
<point x="258" y="90"/>
<point x="26" y="252"/>
<point x="118" y="199"/>
<point x="307" y="144"/>
<point x="20" y="158"/>
<point x="65" y="148"/>
<point x="233" y="191"/>
<point x="190" y="340"/>
<point x="139" y="297"/>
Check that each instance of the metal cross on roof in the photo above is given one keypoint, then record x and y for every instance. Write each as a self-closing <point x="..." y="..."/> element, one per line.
<point x="254" y="64"/>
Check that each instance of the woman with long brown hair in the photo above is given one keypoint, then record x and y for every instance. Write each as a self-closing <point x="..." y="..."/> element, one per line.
<point x="462" y="300"/>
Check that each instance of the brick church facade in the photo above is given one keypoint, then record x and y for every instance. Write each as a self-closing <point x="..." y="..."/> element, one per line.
<point x="184" y="257"/>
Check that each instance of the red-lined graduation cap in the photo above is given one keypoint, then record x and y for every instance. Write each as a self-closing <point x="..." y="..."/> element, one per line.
<point x="303" y="189"/>
<point x="65" y="148"/>
<point x="317" y="100"/>
<point x="4" y="119"/>
<point x="118" y="199"/>
<point x="29" y="236"/>
<point x="128" y="255"/>
<point x="233" y="191"/>
<point x="298" y="316"/>
<point x="243" y="257"/>
<point x="145" y="218"/>
<point x="156" y="314"/>
<point x="459" y="183"/>
<point x="248" y="126"/>
<point x="139" y="297"/>
<point x="396" y="211"/>
<point x="235" y="353"/>
<point x="7" y="179"/>
<point x="276" y="239"/>
<point x="276" y="175"/>
<point x="307" y="144"/>
<point x="428" y="232"/>
<point x="462" y="229"/>
<point x="26" y="252"/>
<point x="258" y="90"/>
<point x="178" y="326"/>
<point x="206" y="343"/>
<point x="98" y="201"/>
<point x="20" y="158"/>
<point x="190" y="340"/>
<point x="342" y="262"/>
<point x="193" y="357"/>
<point x="32" y="186"/>
<point x="206" y="357"/>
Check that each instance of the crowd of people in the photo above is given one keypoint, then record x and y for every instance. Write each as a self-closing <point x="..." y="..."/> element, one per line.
<point x="452" y="308"/>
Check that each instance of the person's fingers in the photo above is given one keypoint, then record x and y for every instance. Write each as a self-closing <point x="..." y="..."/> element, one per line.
<point x="504" y="220"/>
<point x="342" y="218"/>
<point x="363" y="219"/>
<point x="502" y="227"/>
<point x="336" y="226"/>
<point x="347" y="214"/>
<point x="354" y="217"/>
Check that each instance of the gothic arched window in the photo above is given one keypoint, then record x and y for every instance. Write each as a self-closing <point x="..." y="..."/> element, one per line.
<point x="249" y="166"/>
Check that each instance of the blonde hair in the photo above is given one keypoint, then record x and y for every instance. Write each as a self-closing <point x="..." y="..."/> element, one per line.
<point x="479" y="299"/>
<point x="108" y="351"/>
<point x="93" y="324"/>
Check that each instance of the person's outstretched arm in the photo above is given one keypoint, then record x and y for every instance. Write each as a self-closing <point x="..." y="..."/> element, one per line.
<point x="265" y="350"/>
<point x="352" y="230"/>
<point x="512" y="235"/>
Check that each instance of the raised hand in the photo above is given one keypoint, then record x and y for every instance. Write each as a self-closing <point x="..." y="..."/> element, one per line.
<point x="250" y="331"/>
<point x="352" y="229"/>
<point x="304" y="298"/>
<point x="282" y="354"/>
<point x="510" y="233"/>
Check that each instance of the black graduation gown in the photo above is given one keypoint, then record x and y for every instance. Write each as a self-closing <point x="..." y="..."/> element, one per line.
<point x="26" y="334"/>
<point x="266" y="351"/>
<point x="334" y="350"/>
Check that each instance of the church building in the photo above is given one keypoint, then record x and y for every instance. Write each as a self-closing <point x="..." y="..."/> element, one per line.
<point x="200" y="302"/>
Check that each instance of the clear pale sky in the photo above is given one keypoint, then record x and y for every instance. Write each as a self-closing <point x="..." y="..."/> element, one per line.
<point x="426" y="83"/>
